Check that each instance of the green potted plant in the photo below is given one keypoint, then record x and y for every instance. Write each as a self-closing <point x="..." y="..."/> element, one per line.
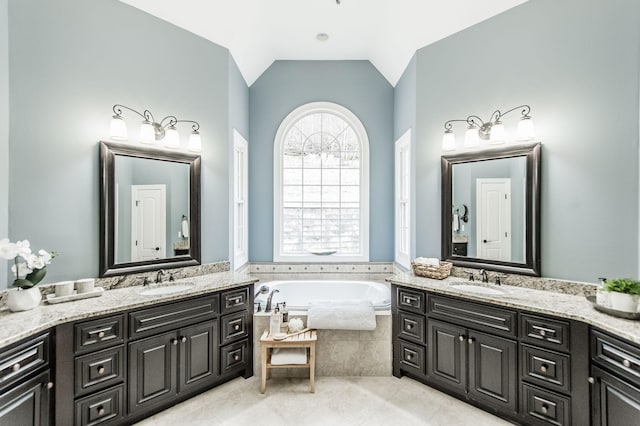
<point x="29" y="269"/>
<point x="623" y="294"/>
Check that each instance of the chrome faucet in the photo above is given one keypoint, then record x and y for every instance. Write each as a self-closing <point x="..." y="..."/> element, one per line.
<point x="268" y="307"/>
<point x="262" y="290"/>
<point x="159" y="276"/>
<point x="485" y="277"/>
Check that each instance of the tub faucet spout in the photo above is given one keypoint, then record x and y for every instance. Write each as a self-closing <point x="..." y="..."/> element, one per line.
<point x="268" y="307"/>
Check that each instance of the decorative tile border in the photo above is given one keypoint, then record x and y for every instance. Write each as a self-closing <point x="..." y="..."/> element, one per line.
<point x="321" y="268"/>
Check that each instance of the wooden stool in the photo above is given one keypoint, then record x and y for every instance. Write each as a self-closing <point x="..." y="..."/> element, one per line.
<point x="303" y="340"/>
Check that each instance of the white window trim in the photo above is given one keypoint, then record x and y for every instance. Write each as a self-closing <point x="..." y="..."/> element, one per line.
<point x="403" y="144"/>
<point x="240" y="251"/>
<point x="358" y="127"/>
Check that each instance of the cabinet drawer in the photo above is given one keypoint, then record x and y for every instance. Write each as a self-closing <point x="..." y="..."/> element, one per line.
<point x="474" y="315"/>
<point x="99" y="369"/>
<point x="547" y="332"/>
<point x="235" y="300"/>
<point x="543" y="407"/>
<point x="100" y="333"/>
<point x="234" y="356"/>
<point x="546" y="368"/>
<point x="411" y="300"/>
<point x="616" y="354"/>
<point x="411" y="357"/>
<point x="234" y="327"/>
<point x="23" y="359"/>
<point x="168" y="317"/>
<point x="103" y="408"/>
<point x="412" y="327"/>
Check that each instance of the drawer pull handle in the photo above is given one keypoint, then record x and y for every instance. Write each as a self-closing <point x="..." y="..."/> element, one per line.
<point x="409" y="356"/>
<point x="409" y="299"/>
<point x="16" y="367"/>
<point x="544" y="368"/>
<point x="48" y="385"/>
<point x="101" y="335"/>
<point x="237" y="300"/>
<point x="591" y="380"/>
<point x="543" y="333"/>
<point x="236" y="357"/>
<point x="626" y="363"/>
<point x="183" y="339"/>
<point x="174" y="342"/>
<point x="101" y="370"/>
<point x="544" y="409"/>
<point x="471" y="340"/>
<point x="236" y="327"/>
<point x="461" y="338"/>
<point x="100" y="410"/>
<point x="409" y="326"/>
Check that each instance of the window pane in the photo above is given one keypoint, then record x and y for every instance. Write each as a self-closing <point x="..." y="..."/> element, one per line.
<point x="351" y="160"/>
<point x="350" y="177"/>
<point x="291" y="194"/>
<point x="350" y="193"/>
<point x="312" y="176"/>
<point x="292" y="176"/>
<point x="330" y="176"/>
<point x="312" y="193"/>
<point x="331" y="193"/>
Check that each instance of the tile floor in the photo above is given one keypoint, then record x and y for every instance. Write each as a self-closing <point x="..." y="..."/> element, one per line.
<point x="337" y="401"/>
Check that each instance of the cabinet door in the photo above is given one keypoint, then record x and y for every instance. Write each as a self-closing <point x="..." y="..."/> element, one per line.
<point x="152" y="371"/>
<point x="198" y="355"/>
<point x="26" y="404"/>
<point x="614" y="402"/>
<point x="447" y="354"/>
<point x="493" y="373"/>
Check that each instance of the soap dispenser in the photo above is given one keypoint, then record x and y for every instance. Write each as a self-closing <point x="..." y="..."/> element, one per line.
<point x="275" y="321"/>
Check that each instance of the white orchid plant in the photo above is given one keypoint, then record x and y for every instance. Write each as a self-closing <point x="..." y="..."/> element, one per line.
<point x="29" y="268"/>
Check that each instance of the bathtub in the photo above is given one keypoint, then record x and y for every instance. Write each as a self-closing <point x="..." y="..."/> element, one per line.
<point x="298" y="293"/>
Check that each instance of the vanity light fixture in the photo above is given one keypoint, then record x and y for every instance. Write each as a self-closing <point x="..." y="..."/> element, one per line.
<point x="492" y="130"/>
<point x="152" y="130"/>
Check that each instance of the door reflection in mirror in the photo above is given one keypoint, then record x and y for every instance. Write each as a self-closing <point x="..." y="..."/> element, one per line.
<point x="152" y="198"/>
<point x="495" y="192"/>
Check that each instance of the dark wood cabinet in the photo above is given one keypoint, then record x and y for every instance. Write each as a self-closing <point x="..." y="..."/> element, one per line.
<point x="198" y="356"/>
<point x="615" y="402"/>
<point x="25" y="383"/>
<point x="447" y="355"/>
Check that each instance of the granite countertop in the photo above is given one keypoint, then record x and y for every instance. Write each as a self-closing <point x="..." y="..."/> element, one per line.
<point x="18" y="325"/>
<point x="554" y="303"/>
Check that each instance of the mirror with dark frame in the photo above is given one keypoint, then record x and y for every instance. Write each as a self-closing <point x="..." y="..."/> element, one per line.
<point x="149" y="209"/>
<point x="491" y="209"/>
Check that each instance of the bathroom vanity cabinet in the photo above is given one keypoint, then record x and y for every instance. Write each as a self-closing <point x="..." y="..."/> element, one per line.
<point x="519" y="365"/>
<point x="615" y="380"/>
<point x="25" y="382"/>
<point x="121" y="368"/>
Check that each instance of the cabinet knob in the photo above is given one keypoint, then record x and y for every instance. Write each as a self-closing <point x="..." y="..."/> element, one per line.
<point x="16" y="367"/>
<point x="461" y="338"/>
<point x="101" y="370"/>
<point x="626" y="363"/>
<point x="409" y="356"/>
<point x="48" y="385"/>
<point x="542" y="333"/>
<point x="236" y="357"/>
<point x="591" y="380"/>
<point x="183" y="339"/>
<point x="100" y="410"/>
<point x="544" y="368"/>
<point x="101" y="335"/>
<point x="544" y="409"/>
<point x="236" y="327"/>
<point x="409" y="326"/>
<point x="174" y="342"/>
<point x="471" y="340"/>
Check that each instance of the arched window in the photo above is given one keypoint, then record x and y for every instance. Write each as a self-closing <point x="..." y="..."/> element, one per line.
<point x="321" y="186"/>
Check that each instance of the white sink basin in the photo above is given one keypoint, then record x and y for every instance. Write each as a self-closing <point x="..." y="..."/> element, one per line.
<point x="478" y="289"/>
<point x="165" y="289"/>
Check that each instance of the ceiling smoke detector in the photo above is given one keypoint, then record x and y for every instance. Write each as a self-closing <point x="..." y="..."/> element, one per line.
<point x="322" y="36"/>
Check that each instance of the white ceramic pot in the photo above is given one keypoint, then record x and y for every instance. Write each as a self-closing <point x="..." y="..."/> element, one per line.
<point x="23" y="300"/>
<point x="623" y="302"/>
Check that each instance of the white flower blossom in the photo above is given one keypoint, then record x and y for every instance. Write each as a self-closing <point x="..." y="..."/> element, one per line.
<point x="34" y="261"/>
<point x="8" y="250"/>
<point x="21" y="269"/>
<point x="45" y="256"/>
<point x="24" y="248"/>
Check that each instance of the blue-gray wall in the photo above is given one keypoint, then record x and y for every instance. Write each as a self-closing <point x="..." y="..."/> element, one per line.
<point x="576" y="62"/>
<point x="4" y="131"/>
<point x="70" y="61"/>
<point x="238" y="120"/>
<point x="286" y="85"/>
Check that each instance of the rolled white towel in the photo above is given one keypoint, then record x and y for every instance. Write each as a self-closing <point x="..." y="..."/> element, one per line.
<point x="185" y="228"/>
<point x="288" y="356"/>
<point x="427" y="261"/>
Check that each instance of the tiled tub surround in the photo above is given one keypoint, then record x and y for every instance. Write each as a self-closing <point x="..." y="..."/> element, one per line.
<point x="551" y="302"/>
<point x="18" y="325"/>
<point x="338" y="352"/>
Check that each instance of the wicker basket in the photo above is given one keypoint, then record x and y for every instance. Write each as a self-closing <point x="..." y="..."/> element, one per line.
<point x="438" y="273"/>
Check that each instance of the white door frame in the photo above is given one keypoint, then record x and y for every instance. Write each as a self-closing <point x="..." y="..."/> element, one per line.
<point x="137" y="227"/>
<point x="501" y="239"/>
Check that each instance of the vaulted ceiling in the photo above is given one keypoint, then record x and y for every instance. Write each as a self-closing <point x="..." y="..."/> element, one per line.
<point x="385" y="32"/>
